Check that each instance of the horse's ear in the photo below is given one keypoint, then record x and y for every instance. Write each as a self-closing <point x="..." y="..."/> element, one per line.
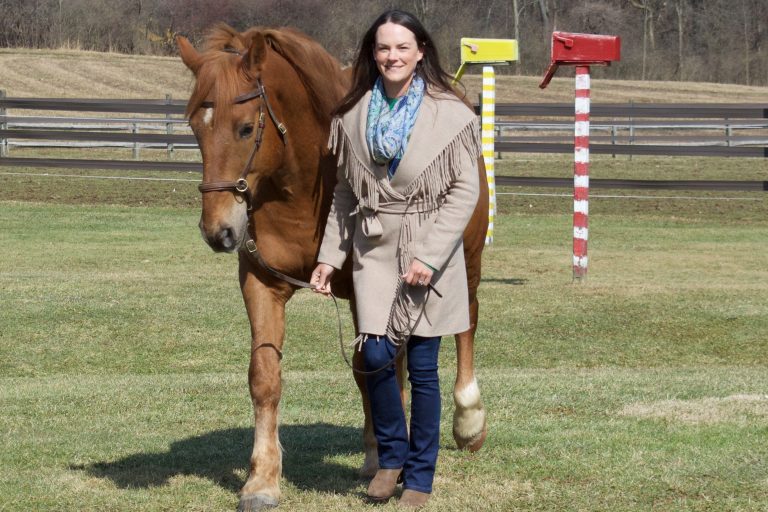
<point x="257" y="52"/>
<point x="189" y="55"/>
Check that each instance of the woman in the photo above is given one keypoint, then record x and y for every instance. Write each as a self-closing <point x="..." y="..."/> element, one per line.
<point x="407" y="187"/>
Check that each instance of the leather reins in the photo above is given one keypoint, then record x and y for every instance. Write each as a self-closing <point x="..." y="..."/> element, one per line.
<point x="240" y="186"/>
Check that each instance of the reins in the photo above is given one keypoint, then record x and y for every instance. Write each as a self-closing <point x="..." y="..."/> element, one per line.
<point x="253" y="252"/>
<point x="240" y="186"/>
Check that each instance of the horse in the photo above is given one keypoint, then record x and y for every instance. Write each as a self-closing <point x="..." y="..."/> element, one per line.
<point x="261" y="112"/>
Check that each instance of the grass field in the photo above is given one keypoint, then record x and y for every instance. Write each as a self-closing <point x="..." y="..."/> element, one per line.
<point x="124" y="352"/>
<point x="124" y="349"/>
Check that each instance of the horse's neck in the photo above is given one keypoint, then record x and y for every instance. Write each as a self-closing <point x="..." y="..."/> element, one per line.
<point x="300" y="200"/>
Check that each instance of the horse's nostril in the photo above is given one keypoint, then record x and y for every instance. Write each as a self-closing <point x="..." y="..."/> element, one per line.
<point x="227" y="239"/>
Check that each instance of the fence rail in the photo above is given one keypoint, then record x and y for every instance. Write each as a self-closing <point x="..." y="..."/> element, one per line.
<point x="638" y="110"/>
<point x="537" y="120"/>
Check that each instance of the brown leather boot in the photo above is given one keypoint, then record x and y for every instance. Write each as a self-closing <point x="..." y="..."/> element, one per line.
<point x="382" y="487"/>
<point x="413" y="499"/>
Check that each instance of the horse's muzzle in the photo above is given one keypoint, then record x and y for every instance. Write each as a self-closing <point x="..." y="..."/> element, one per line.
<point x="224" y="239"/>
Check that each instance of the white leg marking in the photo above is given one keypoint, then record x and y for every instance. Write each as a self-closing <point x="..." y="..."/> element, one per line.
<point x="469" y="418"/>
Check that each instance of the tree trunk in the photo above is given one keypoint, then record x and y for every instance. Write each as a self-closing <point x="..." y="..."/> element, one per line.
<point x="680" y="24"/>
<point x="746" y="40"/>
<point x="544" y="15"/>
<point x="422" y="10"/>
<point x="644" y="6"/>
<point x="516" y="14"/>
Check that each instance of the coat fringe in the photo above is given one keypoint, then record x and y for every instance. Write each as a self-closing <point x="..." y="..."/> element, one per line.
<point x="427" y="192"/>
<point x="431" y="185"/>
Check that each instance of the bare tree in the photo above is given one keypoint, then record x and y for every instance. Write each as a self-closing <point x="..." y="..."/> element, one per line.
<point x="679" y="10"/>
<point x="647" y="27"/>
<point x="745" y="33"/>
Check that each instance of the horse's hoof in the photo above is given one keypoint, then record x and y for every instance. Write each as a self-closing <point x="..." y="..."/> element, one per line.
<point x="255" y="502"/>
<point x="477" y="443"/>
<point x="471" y="443"/>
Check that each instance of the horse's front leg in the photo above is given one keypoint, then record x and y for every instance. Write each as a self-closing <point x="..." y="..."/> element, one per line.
<point x="266" y="313"/>
<point x="469" y="428"/>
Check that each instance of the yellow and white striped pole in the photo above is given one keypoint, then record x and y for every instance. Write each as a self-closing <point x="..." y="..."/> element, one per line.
<point x="488" y="120"/>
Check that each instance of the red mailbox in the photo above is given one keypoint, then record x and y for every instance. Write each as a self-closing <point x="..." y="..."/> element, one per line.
<point x="581" y="50"/>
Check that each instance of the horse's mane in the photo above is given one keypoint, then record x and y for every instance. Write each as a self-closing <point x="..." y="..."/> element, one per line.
<point x="218" y="72"/>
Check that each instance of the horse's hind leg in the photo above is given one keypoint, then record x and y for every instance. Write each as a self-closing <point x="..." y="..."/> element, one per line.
<point x="469" y="429"/>
<point x="266" y="313"/>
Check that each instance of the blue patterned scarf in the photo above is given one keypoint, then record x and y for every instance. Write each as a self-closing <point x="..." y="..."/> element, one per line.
<point x="387" y="131"/>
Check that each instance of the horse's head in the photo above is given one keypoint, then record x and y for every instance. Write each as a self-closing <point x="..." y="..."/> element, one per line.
<point x="250" y="88"/>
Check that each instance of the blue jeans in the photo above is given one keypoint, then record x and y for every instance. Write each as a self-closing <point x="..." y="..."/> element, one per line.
<point x="417" y="456"/>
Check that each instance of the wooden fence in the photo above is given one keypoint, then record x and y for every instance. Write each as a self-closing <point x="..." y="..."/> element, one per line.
<point x="724" y="130"/>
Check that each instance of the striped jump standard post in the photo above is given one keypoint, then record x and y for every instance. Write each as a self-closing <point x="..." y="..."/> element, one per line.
<point x="488" y="121"/>
<point x="581" y="51"/>
<point x="487" y="51"/>
<point x="581" y="174"/>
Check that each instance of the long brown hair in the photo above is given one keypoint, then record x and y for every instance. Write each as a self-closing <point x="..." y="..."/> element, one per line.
<point x="365" y="72"/>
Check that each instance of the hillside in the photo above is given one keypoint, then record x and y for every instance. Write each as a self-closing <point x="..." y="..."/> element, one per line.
<point x="80" y="74"/>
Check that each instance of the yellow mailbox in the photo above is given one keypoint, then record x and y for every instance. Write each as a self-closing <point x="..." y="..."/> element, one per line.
<point x="475" y="50"/>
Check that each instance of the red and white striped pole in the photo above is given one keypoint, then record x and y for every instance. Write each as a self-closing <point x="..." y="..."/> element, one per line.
<point x="581" y="175"/>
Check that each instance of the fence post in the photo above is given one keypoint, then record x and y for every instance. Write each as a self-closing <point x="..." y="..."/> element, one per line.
<point x="169" y="127"/>
<point x="3" y="126"/>
<point x="728" y="133"/>
<point x="135" y="130"/>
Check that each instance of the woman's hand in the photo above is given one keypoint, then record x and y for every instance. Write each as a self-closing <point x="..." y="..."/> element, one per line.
<point x="418" y="274"/>
<point x="321" y="278"/>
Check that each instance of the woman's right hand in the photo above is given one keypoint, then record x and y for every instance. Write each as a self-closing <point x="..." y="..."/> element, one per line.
<point x="321" y="278"/>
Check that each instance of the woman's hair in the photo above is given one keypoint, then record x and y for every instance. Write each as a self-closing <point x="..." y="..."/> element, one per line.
<point x="365" y="72"/>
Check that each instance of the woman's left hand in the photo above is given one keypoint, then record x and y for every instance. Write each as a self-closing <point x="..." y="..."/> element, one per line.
<point x="418" y="274"/>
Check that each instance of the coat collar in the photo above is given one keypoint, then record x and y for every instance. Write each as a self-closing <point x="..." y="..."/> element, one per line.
<point x="434" y="129"/>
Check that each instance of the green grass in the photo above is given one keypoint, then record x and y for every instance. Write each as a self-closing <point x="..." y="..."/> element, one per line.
<point x="124" y="343"/>
<point x="124" y="346"/>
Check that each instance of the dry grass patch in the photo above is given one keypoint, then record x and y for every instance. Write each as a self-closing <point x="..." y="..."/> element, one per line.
<point x="83" y="74"/>
<point x="740" y="409"/>
<point x="78" y="74"/>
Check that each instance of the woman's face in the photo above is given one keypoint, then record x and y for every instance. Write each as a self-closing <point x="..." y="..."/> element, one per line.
<point x="396" y="53"/>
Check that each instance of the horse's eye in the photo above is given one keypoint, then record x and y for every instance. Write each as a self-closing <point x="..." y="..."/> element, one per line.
<point x="246" y="131"/>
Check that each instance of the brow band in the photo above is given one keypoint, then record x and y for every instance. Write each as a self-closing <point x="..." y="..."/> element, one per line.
<point x="239" y="99"/>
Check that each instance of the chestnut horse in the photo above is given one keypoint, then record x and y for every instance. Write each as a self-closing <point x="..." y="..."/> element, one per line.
<point x="260" y="111"/>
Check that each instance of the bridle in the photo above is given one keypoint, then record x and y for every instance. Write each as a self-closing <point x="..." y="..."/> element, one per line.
<point x="240" y="186"/>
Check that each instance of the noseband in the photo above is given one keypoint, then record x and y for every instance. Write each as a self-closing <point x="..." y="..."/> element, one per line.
<point x="241" y="185"/>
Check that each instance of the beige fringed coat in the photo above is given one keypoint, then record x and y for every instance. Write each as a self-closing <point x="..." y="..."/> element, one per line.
<point x="421" y="213"/>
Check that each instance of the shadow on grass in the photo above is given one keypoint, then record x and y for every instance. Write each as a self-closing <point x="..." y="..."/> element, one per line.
<point x="509" y="280"/>
<point x="218" y="456"/>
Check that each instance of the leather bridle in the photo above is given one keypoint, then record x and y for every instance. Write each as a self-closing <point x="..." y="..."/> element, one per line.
<point x="240" y="186"/>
